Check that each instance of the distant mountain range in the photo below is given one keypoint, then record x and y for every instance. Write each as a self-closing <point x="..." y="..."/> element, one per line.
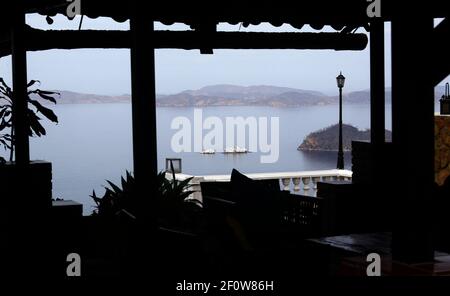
<point x="70" y="97"/>
<point x="234" y="95"/>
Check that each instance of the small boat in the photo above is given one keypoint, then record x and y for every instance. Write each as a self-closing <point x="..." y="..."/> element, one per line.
<point x="240" y="150"/>
<point x="229" y="150"/>
<point x="236" y="149"/>
<point x="208" y="151"/>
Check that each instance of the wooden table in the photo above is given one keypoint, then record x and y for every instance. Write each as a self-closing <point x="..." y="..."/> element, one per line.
<point x="347" y="256"/>
<point x="358" y="244"/>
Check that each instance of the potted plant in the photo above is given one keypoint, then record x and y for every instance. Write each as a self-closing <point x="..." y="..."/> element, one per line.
<point x="26" y="191"/>
<point x="39" y="172"/>
<point x="175" y="209"/>
<point x="36" y="112"/>
<point x="117" y="231"/>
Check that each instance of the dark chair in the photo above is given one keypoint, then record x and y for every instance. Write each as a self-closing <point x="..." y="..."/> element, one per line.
<point x="266" y="215"/>
<point x="223" y="190"/>
<point x="253" y="227"/>
<point x="302" y="216"/>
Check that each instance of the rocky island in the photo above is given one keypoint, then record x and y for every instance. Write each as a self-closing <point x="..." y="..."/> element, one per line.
<point x="327" y="139"/>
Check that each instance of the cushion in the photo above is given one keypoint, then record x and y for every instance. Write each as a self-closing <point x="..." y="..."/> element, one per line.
<point x="259" y="206"/>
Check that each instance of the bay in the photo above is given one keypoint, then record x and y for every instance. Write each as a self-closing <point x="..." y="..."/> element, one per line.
<point x="93" y="143"/>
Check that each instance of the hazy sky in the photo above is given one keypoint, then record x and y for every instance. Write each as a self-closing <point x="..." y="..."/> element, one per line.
<point x="103" y="71"/>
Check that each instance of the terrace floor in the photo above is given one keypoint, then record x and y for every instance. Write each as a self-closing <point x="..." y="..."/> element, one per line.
<point x="348" y="255"/>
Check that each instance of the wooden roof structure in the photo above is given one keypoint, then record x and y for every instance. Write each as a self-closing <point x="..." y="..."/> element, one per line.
<point x="342" y="16"/>
<point x="325" y="12"/>
<point x="419" y="61"/>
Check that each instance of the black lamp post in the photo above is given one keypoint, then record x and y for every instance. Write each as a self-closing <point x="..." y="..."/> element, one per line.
<point x="340" y="83"/>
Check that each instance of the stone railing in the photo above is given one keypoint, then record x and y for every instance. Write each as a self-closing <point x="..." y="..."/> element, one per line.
<point x="302" y="182"/>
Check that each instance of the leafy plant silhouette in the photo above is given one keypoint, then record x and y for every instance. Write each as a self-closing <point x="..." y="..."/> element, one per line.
<point x="171" y="199"/>
<point x="7" y="140"/>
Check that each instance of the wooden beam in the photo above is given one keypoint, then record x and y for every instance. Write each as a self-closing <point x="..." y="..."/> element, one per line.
<point x="261" y="40"/>
<point x="56" y="39"/>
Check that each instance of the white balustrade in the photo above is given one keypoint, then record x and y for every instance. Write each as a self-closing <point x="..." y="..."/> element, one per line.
<point x="286" y="182"/>
<point x="297" y="179"/>
<point x="315" y="180"/>
<point x="296" y="182"/>
<point x="306" y="183"/>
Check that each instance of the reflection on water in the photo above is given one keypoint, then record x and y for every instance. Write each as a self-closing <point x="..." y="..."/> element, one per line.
<point x="327" y="157"/>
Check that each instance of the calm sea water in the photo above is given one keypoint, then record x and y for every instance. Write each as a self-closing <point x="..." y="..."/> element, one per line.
<point x="93" y="143"/>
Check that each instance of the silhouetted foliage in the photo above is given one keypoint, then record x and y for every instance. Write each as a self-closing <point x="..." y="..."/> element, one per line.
<point x="7" y="118"/>
<point x="171" y="199"/>
<point x="116" y="199"/>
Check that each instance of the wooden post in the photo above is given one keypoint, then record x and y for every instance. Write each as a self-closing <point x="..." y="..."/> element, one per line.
<point x="441" y="50"/>
<point x="377" y="86"/>
<point x="143" y="99"/>
<point x="413" y="135"/>
<point x="19" y="76"/>
<point x="378" y="158"/>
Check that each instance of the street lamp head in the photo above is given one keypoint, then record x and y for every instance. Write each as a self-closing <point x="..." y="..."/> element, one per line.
<point x="340" y="80"/>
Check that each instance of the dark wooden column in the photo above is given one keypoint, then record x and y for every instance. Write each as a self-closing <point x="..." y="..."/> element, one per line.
<point x="19" y="76"/>
<point x="142" y="236"/>
<point x="143" y="99"/>
<point x="441" y="51"/>
<point x="413" y="135"/>
<point x="377" y="103"/>
<point x="377" y="85"/>
<point x="25" y="217"/>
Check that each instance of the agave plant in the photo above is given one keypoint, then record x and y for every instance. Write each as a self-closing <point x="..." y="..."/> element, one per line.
<point x="174" y="192"/>
<point x="117" y="200"/>
<point x="171" y="199"/>
<point x="35" y="109"/>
